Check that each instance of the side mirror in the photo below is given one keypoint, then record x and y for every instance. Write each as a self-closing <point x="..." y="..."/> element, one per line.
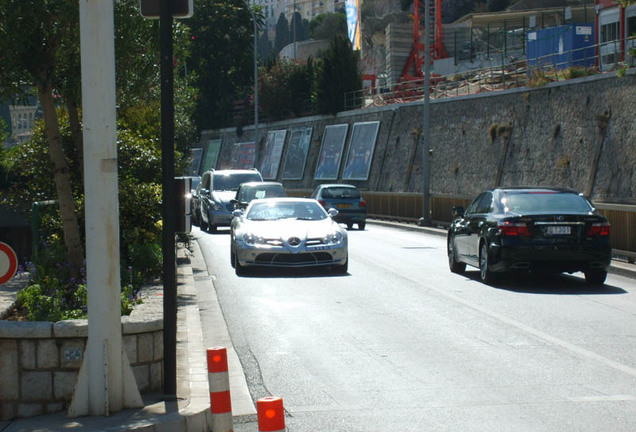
<point x="332" y="212"/>
<point x="458" y="212"/>
<point x="205" y="192"/>
<point x="237" y="213"/>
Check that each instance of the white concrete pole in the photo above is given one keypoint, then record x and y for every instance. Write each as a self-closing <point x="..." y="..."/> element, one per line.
<point x="106" y="383"/>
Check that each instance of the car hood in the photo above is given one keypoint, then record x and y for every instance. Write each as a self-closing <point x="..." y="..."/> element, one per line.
<point x="285" y="228"/>
<point x="223" y="196"/>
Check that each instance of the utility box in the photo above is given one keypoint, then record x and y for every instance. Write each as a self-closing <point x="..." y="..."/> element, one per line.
<point x="183" y="209"/>
<point x="562" y="47"/>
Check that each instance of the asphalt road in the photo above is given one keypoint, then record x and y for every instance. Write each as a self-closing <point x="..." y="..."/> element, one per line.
<point x="402" y="344"/>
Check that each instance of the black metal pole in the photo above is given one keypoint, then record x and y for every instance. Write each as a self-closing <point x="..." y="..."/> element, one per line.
<point x="168" y="204"/>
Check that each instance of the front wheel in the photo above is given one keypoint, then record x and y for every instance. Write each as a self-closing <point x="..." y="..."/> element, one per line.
<point x="239" y="269"/>
<point x="341" y="269"/>
<point x="486" y="275"/>
<point x="595" y="277"/>
<point x="361" y="225"/>
<point x="454" y="265"/>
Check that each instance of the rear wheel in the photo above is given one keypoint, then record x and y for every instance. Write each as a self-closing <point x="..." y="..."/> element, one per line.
<point x="486" y="275"/>
<point x="595" y="277"/>
<point x="202" y="224"/>
<point x="349" y="225"/>
<point x="212" y="228"/>
<point x="454" y="265"/>
<point x="361" y="225"/>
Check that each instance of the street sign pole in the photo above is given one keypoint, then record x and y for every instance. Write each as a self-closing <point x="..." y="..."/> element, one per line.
<point x="168" y="203"/>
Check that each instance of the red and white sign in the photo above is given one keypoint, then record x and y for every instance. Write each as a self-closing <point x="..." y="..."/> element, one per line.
<point x="8" y="263"/>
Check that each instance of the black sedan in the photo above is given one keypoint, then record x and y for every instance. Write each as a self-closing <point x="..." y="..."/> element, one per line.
<point x="552" y="230"/>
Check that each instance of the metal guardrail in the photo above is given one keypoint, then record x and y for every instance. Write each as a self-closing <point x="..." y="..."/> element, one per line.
<point x="407" y="206"/>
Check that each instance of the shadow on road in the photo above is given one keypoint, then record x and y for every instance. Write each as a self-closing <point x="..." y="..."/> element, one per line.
<point x="559" y="284"/>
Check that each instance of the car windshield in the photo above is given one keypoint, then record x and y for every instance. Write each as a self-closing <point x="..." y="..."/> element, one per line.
<point x="544" y="202"/>
<point x="340" y="192"/>
<point x="232" y="181"/>
<point x="261" y="191"/>
<point x="265" y="211"/>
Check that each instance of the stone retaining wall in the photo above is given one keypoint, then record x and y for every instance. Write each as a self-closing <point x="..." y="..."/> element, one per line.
<point x="40" y="361"/>
<point x="578" y="133"/>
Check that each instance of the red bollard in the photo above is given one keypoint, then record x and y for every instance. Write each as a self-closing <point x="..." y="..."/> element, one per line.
<point x="271" y="414"/>
<point x="219" y="381"/>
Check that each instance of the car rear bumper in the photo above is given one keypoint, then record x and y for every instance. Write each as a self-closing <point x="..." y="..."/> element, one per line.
<point x="345" y="216"/>
<point x="550" y="258"/>
<point x="220" y="218"/>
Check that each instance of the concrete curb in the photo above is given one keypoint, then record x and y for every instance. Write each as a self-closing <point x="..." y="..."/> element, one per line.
<point x="617" y="267"/>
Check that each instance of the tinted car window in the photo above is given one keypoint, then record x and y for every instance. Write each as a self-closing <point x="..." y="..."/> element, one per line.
<point x="485" y="203"/>
<point x="340" y="192"/>
<point x="472" y="208"/>
<point x="263" y="191"/>
<point x="544" y="202"/>
<point x="231" y="182"/>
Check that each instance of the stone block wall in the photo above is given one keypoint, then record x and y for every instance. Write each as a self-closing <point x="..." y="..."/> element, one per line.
<point x="578" y="133"/>
<point x="40" y="361"/>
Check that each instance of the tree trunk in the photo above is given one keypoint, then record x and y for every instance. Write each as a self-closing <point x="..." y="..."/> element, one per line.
<point x="62" y="179"/>
<point x="76" y="131"/>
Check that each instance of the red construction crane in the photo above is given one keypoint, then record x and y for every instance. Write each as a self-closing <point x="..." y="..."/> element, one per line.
<point x="438" y="51"/>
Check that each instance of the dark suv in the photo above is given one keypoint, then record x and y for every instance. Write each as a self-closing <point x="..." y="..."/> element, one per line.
<point x="215" y="193"/>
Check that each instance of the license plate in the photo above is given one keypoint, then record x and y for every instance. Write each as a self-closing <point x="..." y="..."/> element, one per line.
<point x="343" y="205"/>
<point x="559" y="230"/>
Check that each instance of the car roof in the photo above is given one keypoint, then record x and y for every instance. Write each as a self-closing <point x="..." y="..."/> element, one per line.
<point x="260" y="183"/>
<point x="234" y="171"/>
<point x="328" y="185"/>
<point x="284" y="199"/>
<point x="533" y="189"/>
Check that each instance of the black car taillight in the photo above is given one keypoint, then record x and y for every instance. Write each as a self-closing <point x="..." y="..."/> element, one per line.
<point x="599" y="229"/>
<point x="363" y="203"/>
<point x="513" y="228"/>
<point x="322" y="203"/>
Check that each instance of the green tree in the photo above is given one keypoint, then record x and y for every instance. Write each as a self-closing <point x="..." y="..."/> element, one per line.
<point x="221" y="57"/>
<point x="33" y="35"/>
<point x="285" y="88"/>
<point x="338" y="75"/>
<point x="327" y="26"/>
<point x="297" y="31"/>
<point x="39" y="41"/>
<point x="281" y="38"/>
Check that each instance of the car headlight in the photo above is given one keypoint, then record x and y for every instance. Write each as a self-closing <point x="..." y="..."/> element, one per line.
<point x="217" y="207"/>
<point x="333" y="238"/>
<point x="251" y="239"/>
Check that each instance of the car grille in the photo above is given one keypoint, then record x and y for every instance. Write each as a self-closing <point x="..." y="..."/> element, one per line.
<point x="301" y="259"/>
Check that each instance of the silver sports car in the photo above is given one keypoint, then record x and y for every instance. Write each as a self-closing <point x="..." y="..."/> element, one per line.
<point x="287" y="232"/>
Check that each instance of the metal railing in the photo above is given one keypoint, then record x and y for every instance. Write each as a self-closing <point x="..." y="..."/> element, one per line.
<point x="509" y="73"/>
<point x="407" y="207"/>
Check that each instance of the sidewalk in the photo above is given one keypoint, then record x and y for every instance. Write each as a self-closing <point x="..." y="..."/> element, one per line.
<point x="191" y="409"/>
